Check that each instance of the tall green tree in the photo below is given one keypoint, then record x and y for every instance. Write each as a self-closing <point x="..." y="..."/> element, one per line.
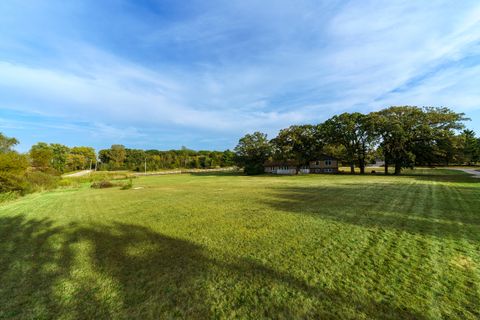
<point x="7" y="143"/>
<point x="113" y="157"/>
<point x="84" y="157"/>
<point x="407" y="131"/>
<point x="470" y="147"/>
<point x="252" y="151"/>
<point x="301" y="143"/>
<point x="228" y="158"/>
<point x="60" y="155"/>
<point x="41" y="155"/>
<point x="118" y="155"/>
<point x="11" y="161"/>
<point x="13" y="166"/>
<point x="135" y="159"/>
<point x="353" y="131"/>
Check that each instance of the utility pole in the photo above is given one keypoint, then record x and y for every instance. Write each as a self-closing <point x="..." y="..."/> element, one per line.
<point x="145" y="166"/>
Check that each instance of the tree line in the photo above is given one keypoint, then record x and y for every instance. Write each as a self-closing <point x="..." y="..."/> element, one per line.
<point x="58" y="158"/>
<point x="120" y="158"/>
<point x="402" y="136"/>
<point x="43" y="164"/>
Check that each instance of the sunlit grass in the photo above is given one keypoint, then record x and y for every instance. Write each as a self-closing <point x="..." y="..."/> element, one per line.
<point x="230" y="246"/>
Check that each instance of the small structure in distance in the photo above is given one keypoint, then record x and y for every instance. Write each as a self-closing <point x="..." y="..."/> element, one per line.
<point x="323" y="164"/>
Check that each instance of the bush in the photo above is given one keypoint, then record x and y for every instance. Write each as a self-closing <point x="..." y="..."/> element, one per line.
<point x="26" y="183"/>
<point x="38" y="181"/>
<point x="128" y="185"/>
<point x="68" y="183"/>
<point x="8" y="196"/>
<point x="13" y="163"/>
<point x="102" y="184"/>
<point x="10" y="182"/>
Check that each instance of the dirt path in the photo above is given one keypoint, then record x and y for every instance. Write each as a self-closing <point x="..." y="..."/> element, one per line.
<point x="77" y="174"/>
<point x="474" y="173"/>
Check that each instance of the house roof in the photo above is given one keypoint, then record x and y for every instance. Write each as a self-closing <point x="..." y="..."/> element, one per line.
<point x="324" y="157"/>
<point x="283" y="163"/>
<point x="279" y="163"/>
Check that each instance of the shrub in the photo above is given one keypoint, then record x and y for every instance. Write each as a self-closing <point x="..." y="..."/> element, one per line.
<point x="13" y="163"/>
<point x="128" y="185"/>
<point x="38" y="181"/>
<point x="68" y="183"/>
<point x="8" y="196"/>
<point x="102" y="184"/>
<point x="10" y="182"/>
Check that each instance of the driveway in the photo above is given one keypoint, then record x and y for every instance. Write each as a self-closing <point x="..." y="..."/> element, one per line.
<point x="475" y="173"/>
<point x="77" y="174"/>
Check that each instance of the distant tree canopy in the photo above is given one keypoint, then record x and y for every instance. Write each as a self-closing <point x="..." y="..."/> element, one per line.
<point x="119" y="157"/>
<point x="402" y="136"/>
<point x="46" y="157"/>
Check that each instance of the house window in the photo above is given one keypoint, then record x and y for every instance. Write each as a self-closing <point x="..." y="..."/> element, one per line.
<point x="328" y="162"/>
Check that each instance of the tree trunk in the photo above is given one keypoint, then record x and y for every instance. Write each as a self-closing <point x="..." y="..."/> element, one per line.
<point x="352" y="168"/>
<point x="398" y="168"/>
<point x="361" y="159"/>
<point x="386" y="164"/>
<point x="361" y="164"/>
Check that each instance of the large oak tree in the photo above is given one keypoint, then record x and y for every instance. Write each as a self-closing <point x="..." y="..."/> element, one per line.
<point x="252" y="151"/>
<point x="407" y="131"/>
<point x="353" y="131"/>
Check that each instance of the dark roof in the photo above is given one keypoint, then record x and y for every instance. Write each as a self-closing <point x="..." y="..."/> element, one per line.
<point x="279" y="163"/>
<point x="324" y="157"/>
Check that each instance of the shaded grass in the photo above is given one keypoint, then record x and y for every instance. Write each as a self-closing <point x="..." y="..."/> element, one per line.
<point x="229" y="246"/>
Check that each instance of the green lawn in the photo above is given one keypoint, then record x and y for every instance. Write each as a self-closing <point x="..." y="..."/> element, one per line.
<point x="230" y="246"/>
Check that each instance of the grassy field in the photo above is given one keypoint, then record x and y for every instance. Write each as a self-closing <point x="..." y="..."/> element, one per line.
<point x="229" y="246"/>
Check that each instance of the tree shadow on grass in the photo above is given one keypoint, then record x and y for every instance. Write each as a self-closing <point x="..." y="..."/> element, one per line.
<point x="217" y="173"/>
<point x="415" y="208"/>
<point x="87" y="272"/>
<point x="129" y="271"/>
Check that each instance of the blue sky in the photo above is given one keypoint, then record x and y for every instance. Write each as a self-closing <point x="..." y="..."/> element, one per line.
<point x="162" y="74"/>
